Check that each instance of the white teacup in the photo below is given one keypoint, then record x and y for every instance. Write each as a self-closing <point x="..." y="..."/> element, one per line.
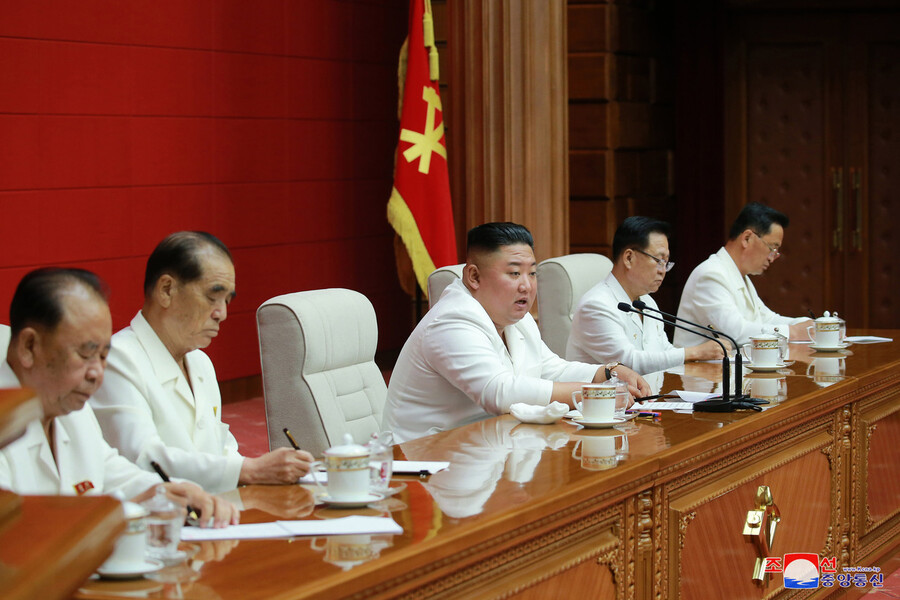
<point x="827" y="332"/>
<point x="763" y="351"/>
<point x="347" y="551"/>
<point x="348" y="471"/>
<point x="768" y="388"/>
<point x="601" y="452"/>
<point x="131" y="545"/>
<point x="827" y="370"/>
<point x="597" y="401"/>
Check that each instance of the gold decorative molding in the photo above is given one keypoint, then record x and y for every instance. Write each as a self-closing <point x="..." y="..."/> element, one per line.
<point x="789" y="434"/>
<point x="794" y="446"/>
<point x="683" y="523"/>
<point x="659" y="547"/>
<point x="645" y="521"/>
<point x="610" y="558"/>
<point x="548" y="543"/>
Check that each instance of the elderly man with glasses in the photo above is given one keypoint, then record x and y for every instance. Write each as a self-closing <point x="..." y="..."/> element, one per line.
<point x="719" y="292"/>
<point x="603" y="333"/>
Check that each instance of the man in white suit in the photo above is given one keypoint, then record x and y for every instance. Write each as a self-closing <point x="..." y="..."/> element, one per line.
<point x="478" y="350"/>
<point x="61" y="328"/>
<point x="719" y="293"/>
<point x="601" y="332"/>
<point x="160" y="401"/>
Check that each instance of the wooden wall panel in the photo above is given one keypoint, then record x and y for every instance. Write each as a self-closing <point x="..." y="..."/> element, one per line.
<point x="786" y="168"/>
<point x="880" y="180"/>
<point x="621" y="126"/>
<point x="509" y="90"/>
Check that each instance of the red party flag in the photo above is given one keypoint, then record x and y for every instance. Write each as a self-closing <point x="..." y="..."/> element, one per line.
<point x="419" y="208"/>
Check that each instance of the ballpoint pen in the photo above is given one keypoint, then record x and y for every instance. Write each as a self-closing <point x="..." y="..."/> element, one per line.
<point x="192" y="516"/>
<point x="287" y="432"/>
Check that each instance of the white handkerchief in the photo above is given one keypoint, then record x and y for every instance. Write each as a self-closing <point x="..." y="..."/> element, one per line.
<point x="542" y="415"/>
<point x="694" y="396"/>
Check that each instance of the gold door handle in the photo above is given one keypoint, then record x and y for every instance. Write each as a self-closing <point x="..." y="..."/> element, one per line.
<point x="856" y="183"/>
<point x="837" y="237"/>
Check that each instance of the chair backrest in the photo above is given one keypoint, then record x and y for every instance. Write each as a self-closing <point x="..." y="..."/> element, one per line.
<point x="562" y="281"/>
<point x="320" y="380"/>
<point x="441" y="278"/>
<point x="4" y="338"/>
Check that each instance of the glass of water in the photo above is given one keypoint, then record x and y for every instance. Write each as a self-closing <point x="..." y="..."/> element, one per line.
<point x="163" y="526"/>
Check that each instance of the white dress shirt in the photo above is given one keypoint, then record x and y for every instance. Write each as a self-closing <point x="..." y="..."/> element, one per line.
<point x="455" y="369"/>
<point x="602" y="333"/>
<point x="717" y="295"/>
<point x="148" y="410"/>
<point x="84" y="463"/>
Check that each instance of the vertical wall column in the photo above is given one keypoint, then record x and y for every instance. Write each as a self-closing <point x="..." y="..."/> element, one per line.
<point x="509" y="104"/>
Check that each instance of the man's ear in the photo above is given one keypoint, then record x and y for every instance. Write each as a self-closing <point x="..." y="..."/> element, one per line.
<point x="164" y="290"/>
<point x="26" y="343"/>
<point x="628" y="258"/>
<point x="471" y="276"/>
<point x="745" y="237"/>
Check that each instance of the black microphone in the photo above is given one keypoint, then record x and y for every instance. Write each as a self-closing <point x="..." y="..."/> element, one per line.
<point x="641" y="305"/>
<point x="625" y="307"/>
<point x="738" y="371"/>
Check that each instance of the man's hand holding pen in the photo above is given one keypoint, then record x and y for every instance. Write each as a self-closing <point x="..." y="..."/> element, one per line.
<point x="212" y="511"/>
<point x="202" y="509"/>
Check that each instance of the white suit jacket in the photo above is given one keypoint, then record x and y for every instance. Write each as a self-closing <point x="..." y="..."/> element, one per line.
<point x="146" y="410"/>
<point x="455" y="369"/>
<point x="717" y="295"/>
<point x="83" y="457"/>
<point x="603" y="333"/>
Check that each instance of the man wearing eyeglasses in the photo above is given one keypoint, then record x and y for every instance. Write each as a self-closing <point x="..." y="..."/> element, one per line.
<point x="603" y="333"/>
<point x="719" y="292"/>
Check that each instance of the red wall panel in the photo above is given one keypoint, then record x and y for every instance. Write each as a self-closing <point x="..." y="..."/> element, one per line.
<point x="271" y="124"/>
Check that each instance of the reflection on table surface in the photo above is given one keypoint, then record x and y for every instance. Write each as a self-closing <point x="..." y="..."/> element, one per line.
<point x="501" y="469"/>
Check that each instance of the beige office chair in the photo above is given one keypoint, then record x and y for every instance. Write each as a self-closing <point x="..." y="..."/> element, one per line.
<point x="320" y="379"/>
<point x="562" y="281"/>
<point x="4" y="338"/>
<point x="441" y="278"/>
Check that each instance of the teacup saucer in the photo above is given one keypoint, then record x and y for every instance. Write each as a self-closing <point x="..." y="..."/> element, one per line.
<point x="395" y="487"/>
<point x="354" y="503"/>
<point x="129" y="570"/>
<point x="818" y="348"/>
<point x="600" y="424"/>
<point x="766" y="368"/>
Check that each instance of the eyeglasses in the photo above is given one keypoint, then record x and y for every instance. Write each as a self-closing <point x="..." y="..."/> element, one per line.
<point x="776" y="251"/>
<point x="660" y="263"/>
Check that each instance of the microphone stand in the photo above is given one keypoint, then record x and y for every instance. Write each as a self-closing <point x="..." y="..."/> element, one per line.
<point x="738" y="371"/>
<point x="726" y="376"/>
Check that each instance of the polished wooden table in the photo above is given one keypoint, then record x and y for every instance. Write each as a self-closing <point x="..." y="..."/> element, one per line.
<point x="656" y="509"/>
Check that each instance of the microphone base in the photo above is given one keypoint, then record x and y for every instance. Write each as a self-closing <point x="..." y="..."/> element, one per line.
<point x="746" y="398"/>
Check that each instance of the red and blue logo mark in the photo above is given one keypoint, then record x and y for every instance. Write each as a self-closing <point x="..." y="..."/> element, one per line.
<point x="804" y="570"/>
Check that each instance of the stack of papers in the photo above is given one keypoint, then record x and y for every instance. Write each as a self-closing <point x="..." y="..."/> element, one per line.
<point x="285" y="529"/>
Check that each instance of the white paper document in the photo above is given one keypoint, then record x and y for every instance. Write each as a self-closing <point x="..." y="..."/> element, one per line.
<point x="867" y="339"/>
<point x="283" y="529"/>
<point x="668" y="406"/>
